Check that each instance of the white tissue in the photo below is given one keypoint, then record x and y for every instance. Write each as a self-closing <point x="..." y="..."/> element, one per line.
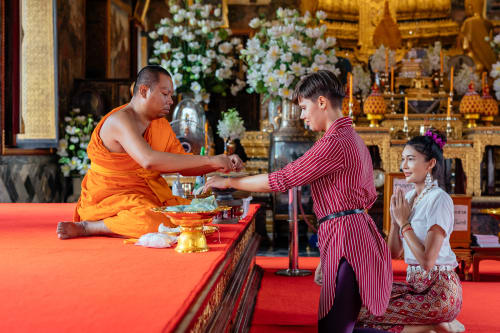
<point x="156" y="240"/>
<point x="246" y="206"/>
<point x="162" y="228"/>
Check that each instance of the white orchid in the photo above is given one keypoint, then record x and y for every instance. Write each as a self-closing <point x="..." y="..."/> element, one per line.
<point x="321" y="15"/>
<point x="254" y="23"/>
<point x="195" y="87"/>
<point x="495" y="70"/>
<point x="153" y="35"/>
<point x="65" y="170"/>
<point x="225" y="47"/>
<point x="295" y="45"/>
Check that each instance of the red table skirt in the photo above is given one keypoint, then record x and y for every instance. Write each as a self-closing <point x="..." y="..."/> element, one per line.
<point x="99" y="284"/>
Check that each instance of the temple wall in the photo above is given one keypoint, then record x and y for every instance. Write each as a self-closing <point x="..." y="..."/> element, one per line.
<point x="33" y="178"/>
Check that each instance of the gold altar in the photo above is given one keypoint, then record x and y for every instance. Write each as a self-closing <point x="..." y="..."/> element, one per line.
<point x="353" y="22"/>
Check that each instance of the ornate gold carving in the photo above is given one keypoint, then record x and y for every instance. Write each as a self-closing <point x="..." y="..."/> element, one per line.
<point x="377" y="137"/>
<point x="219" y="289"/>
<point x="482" y="137"/>
<point x="464" y="258"/>
<point x="355" y="21"/>
<point x="387" y="32"/>
<point x="394" y="122"/>
<point x="422" y="9"/>
<point x="256" y="144"/>
<point x="38" y="94"/>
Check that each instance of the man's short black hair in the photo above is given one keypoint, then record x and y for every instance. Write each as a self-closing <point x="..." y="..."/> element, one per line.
<point x="149" y="76"/>
<point x="321" y="83"/>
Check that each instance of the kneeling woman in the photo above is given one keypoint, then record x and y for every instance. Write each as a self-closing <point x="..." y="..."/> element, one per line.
<point x="422" y="222"/>
<point x="355" y="260"/>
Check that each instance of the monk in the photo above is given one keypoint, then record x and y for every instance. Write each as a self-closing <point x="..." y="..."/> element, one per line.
<point x="129" y="150"/>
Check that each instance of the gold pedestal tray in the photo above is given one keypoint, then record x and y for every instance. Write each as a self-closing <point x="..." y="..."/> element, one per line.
<point x="471" y="117"/>
<point x="487" y="120"/>
<point x="192" y="237"/>
<point x="374" y="119"/>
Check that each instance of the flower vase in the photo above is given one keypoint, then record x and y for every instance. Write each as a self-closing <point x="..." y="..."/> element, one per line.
<point x="77" y="189"/>
<point x="290" y="118"/>
<point x="229" y="147"/>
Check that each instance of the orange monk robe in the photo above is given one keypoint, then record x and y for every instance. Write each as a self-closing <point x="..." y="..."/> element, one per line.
<point x="118" y="191"/>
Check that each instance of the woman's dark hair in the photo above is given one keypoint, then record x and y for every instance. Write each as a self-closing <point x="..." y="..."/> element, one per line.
<point x="431" y="146"/>
<point x="320" y="83"/>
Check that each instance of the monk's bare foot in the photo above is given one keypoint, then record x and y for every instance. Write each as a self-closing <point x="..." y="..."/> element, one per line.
<point x="66" y="230"/>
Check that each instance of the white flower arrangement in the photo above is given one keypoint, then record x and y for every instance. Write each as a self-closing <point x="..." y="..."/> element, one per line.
<point x="495" y="69"/>
<point x="463" y="78"/>
<point x="231" y="127"/>
<point x="361" y="80"/>
<point x="377" y="61"/>
<point x="72" y="148"/>
<point x="495" y="43"/>
<point x="433" y="62"/>
<point x="285" y="49"/>
<point x="201" y="56"/>
<point x="495" y="73"/>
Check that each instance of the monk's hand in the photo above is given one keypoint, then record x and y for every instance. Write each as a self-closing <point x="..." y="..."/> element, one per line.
<point x="216" y="182"/>
<point x="222" y="163"/>
<point x="236" y="162"/>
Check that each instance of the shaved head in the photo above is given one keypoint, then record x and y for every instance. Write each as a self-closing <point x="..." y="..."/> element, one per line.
<point x="149" y="76"/>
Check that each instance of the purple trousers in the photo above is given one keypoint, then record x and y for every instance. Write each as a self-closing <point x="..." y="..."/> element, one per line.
<point x="345" y="310"/>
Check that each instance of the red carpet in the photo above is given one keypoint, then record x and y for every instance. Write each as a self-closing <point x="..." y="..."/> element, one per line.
<point x="94" y="284"/>
<point x="286" y="304"/>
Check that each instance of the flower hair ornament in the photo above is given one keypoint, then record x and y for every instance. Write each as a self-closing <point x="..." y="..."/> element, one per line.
<point x="435" y="138"/>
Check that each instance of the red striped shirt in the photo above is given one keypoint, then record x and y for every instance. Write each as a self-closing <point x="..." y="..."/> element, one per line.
<point x="339" y="169"/>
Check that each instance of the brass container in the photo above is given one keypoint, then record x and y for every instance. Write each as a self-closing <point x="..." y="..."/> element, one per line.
<point x="471" y="119"/>
<point x="374" y="119"/>
<point x="471" y="106"/>
<point x="375" y="107"/>
<point x="192" y="238"/>
<point x="490" y="107"/>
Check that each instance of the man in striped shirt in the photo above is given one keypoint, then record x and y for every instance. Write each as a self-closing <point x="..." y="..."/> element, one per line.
<point x="355" y="267"/>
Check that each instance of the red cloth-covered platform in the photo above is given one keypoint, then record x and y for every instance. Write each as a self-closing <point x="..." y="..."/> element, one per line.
<point x="99" y="284"/>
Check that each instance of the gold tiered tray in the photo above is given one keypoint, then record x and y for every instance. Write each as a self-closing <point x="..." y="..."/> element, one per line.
<point x="192" y="237"/>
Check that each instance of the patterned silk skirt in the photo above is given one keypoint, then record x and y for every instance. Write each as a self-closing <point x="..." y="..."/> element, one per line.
<point x="427" y="298"/>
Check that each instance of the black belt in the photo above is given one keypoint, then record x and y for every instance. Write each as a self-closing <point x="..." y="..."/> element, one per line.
<point x="340" y="214"/>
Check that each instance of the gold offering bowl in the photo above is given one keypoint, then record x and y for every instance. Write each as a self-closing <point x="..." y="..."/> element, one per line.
<point x="488" y="120"/>
<point x="192" y="237"/>
<point x="374" y="119"/>
<point x="471" y="117"/>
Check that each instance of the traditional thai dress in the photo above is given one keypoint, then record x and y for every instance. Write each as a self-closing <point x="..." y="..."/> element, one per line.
<point x="339" y="169"/>
<point x="426" y="298"/>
